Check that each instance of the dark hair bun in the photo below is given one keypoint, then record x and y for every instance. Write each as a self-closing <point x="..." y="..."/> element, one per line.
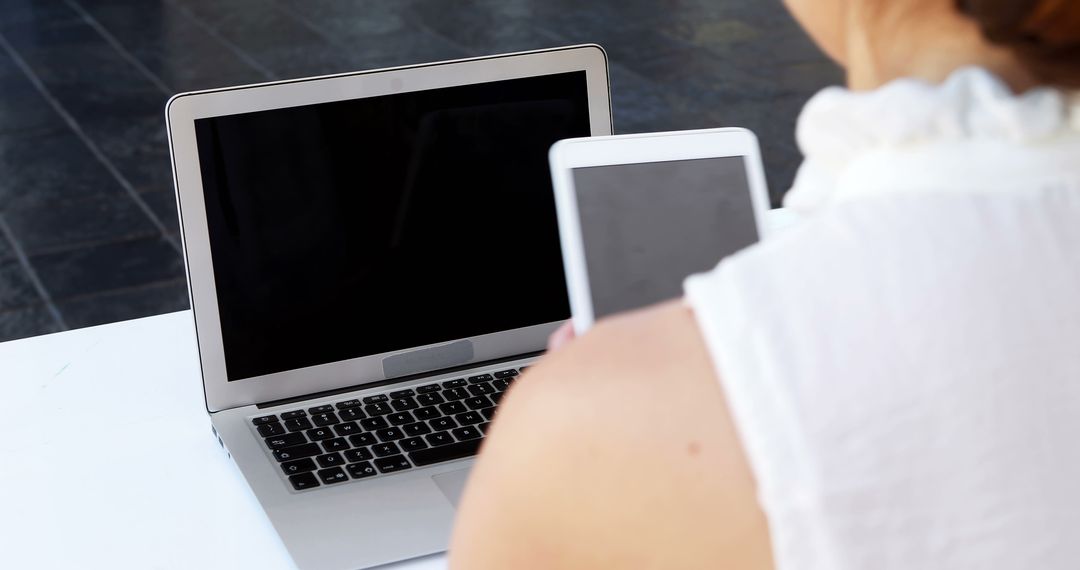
<point x="1046" y="26"/>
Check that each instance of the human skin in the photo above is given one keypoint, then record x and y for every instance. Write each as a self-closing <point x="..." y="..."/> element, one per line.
<point x="617" y="449"/>
<point x="603" y="457"/>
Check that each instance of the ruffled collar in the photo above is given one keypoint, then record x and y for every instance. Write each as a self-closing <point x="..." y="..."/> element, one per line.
<point x="841" y="132"/>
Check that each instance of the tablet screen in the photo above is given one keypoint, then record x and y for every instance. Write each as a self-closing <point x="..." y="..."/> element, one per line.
<point x="646" y="227"/>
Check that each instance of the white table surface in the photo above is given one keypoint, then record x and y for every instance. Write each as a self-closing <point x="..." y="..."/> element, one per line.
<point x="107" y="459"/>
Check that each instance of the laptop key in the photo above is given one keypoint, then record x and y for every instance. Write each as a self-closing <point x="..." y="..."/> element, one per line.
<point x="336" y="444"/>
<point x="466" y="433"/>
<point x="354" y="455"/>
<point x="267" y="430"/>
<point x="478" y="403"/>
<point x="469" y="418"/>
<point x="330" y="460"/>
<point x="499" y="385"/>
<point x="496" y="397"/>
<point x="372" y="424"/>
<point x="378" y="409"/>
<point x="346" y="429"/>
<point x="488" y="413"/>
<point x="361" y="470"/>
<point x="392" y="464"/>
<point x="263" y="420"/>
<point x="445" y="452"/>
<point x="325" y="419"/>
<point x="320" y="409"/>
<point x="453" y="383"/>
<point x="293" y="415"/>
<point x="441" y="438"/>
<point x="298" y="424"/>
<point x="298" y="466"/>
<point x="400" y="418"/>
<point x="334" y="475"/>
<point x="419" y="428"/>
<point x="362" y="439"/>
<point x="442" y="424"/>
<point x="353" y="403"/>
<point x="480" y="378"/>
<point x="297" y="452"/>
<point x="376" y="399"/>
<point x="385" y="449"/>
<point x="413" y="444"/>
<point x="304" y="481"/>
<point x="455" y="393"/>
<point x="483" y="427"/>
<point x="427" y="413"/>
<point x="402" y="394"/>
<point x="429" y="399"/>
<point x="453" y="408"/>
<point x="481" y="389"/>
<point x="286" y="440"/>
<point x="402" y="404"/>
<point x="319" y="434"/>
<point x="506" y="373"/>
<point x="349" y="414"/>
<point x="428" y="389"/>
<point x="390" y="434"/>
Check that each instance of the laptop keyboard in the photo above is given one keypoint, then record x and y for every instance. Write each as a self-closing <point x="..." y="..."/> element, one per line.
<point x="385" y="433"/>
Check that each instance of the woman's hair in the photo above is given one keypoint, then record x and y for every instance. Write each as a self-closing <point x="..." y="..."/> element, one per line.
<point x="1044" y="34"/>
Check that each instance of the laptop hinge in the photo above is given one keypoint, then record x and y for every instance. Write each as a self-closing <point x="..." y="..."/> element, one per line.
<point x="396" y="380"/>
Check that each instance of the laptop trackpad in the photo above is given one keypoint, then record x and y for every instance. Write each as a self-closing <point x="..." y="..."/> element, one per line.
<point x="452" y="484"/>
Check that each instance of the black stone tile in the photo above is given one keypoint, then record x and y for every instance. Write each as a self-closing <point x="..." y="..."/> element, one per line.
<point x="77" y="223"/>
<point x="623" y="43"/>
<point x="86" y="74"/>
<point x="27" y="322"/>
<point x="6" y="252"/>
<point x="16" y="290"/>
<point x="27" y="16"/>
<point x="106" y="267"/>
<point x="354" y="20"/>
<point x="22" y="108"/>
<point x="371" y="36"/>
<point x="184" y="56"/>
<point x="138" y="145"/>
<point x="164" y="205"/>
<point x="272" y="37"/>
<point x="126" y="304"/>
<point x="698" y="75"/>
<point x="483" y="27"/>
<point x="640" y="105"/>
<point x="45" y="168"/>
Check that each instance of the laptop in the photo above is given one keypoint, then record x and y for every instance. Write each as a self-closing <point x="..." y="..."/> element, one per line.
<point x="373" y="259"/>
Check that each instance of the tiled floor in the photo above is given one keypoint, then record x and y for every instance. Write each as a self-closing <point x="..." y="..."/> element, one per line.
<point x="88" y="230"/>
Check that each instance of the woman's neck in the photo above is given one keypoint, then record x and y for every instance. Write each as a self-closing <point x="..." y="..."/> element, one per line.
<point x="930" y="48"/>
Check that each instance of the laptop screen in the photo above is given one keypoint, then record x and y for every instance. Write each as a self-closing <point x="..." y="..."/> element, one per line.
<point x="352" y="228"/>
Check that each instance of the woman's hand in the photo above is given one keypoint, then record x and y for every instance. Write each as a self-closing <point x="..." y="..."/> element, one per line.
<point x="561" y="336"/>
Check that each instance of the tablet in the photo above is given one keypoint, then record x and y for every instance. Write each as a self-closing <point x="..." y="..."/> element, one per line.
<point x="639" y="213"/>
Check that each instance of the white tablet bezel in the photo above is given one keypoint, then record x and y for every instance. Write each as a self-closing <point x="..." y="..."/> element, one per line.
<point x="569" y="154"/>
<point x="181" y="113"/>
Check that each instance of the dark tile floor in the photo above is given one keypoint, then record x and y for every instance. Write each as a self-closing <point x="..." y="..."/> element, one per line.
<point x="88" y="230"/>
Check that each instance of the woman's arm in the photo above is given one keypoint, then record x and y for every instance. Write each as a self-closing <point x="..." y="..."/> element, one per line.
<point x="616" y="451"/>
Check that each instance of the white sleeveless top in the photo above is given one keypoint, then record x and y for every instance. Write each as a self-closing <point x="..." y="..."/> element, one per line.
<point x="904" y="366"/>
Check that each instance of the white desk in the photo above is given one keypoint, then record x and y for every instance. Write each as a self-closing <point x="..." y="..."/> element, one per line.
<point x="107" y="461"/>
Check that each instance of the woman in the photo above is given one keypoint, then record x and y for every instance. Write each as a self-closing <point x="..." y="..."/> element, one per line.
<point x="895" y="383"/>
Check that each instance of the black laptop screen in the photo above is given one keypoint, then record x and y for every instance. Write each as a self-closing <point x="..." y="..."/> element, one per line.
<point x="358" y="227"/>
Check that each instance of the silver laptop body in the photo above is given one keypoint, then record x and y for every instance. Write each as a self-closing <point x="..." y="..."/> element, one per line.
<point x="352" y="237"/>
